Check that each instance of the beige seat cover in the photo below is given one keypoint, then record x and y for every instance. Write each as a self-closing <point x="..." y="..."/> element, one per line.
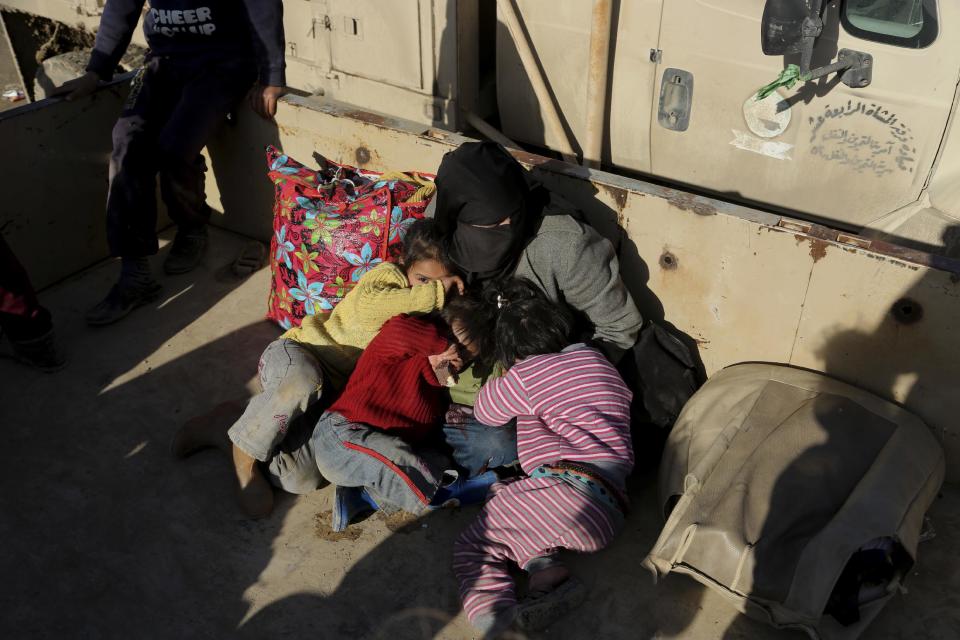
<point x="779" y="475"/>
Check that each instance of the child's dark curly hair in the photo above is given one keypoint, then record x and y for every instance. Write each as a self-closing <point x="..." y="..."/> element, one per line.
<point x="527" y="322"/>
<point x="508" y="322"/>
<point x="476" y="320"/>
<point x="424" y="241"/>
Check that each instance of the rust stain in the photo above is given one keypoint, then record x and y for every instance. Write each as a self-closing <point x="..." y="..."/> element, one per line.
<point x="818" y="249"/>
<point x="689" y="202"/>
<point x="525" y="157"/>
<point x="618" y="194"/>
<point x="366" y="116"/>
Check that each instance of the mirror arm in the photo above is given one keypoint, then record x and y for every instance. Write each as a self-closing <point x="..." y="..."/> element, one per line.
<point x="810" y="31"/>
<point x="838" y="66"/>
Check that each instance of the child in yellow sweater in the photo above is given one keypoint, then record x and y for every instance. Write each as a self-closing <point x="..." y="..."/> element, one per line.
<point x="317" y="358"/>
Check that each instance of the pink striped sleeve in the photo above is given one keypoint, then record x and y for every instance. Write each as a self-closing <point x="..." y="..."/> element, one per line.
<point x="500" y="400"/>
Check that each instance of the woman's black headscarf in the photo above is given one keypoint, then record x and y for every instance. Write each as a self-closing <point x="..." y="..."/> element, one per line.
<point x="480" y="183"/>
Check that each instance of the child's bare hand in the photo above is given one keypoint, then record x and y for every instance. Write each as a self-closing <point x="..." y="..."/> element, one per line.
<point x="445" y="365"/>
<point x="449" y="282"/>
<point x="458" y="414"/>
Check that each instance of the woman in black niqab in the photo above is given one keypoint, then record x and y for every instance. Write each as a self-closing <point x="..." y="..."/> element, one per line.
<point x="486" y="209"/>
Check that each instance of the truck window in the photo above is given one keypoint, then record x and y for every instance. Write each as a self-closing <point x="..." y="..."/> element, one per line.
<point x="905" y="23"/>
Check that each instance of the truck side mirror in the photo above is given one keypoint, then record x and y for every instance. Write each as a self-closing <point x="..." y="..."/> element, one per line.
<point x="793" y="26"/>
<point x="782" y="27"/>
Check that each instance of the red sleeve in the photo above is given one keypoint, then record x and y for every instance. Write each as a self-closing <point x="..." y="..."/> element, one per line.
<point x="416" y="367"/>
<point x="403" y="337"/>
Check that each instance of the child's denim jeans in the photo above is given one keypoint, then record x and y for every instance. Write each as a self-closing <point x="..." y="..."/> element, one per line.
<point x="477" y="447"/>
<point x="397" y="475"/>
<point x="269" y="429"/>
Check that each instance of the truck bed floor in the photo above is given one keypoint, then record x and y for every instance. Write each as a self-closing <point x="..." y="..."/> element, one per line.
<point x="106" y="535"/>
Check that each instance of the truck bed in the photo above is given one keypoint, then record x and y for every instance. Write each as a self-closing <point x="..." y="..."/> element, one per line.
<point x="107" y="535"/>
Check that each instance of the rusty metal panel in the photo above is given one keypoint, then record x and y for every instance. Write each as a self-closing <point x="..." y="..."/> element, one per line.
<point x="888" y="326"/>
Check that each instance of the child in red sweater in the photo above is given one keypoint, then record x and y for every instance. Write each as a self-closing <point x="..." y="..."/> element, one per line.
<point x="366" y="443"/>
<point x="370" y="442"/>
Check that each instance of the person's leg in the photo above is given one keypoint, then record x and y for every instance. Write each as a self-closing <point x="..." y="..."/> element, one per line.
<point x="396" y="476"/>
<point x="477" y="447"/>
<point x="481" y="557"/>
<point x="528" y="521"/>
<point x="131" y="194"/>
<point x="293" y="467"/>
<point x="27" y="324"/>
<point x="545" y="573"/>
<point x="207" y="97"/>
<point x="291" y="381"/>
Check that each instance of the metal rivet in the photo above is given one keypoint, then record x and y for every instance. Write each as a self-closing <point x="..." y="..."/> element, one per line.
<point x="362" y="155"/>
<point x="668" y="260"/>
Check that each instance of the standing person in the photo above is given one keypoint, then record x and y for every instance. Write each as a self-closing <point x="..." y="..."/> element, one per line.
<point x="498" y="227"/>
<point x="573" y="436"/>
<point x="23" y="321"/>
<point x="204" y="56"/>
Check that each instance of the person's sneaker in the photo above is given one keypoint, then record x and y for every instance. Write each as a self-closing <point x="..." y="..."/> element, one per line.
<point x="348" y="504"/>
<point x="122" y="299"/>
<point x="538" y="611"/>
<point x="458" y="491"/>
<point x="41" y="353"/>
<point x="187" y="251"/>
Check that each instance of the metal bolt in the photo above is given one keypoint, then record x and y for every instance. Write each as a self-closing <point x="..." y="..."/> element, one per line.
<point x="907" y="311"/>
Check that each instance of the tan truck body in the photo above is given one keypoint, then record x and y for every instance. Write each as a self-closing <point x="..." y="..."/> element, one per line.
<point x="796" y="277"/>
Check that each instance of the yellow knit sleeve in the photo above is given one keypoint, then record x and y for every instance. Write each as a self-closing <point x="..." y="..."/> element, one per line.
<point x="378" y="302"/>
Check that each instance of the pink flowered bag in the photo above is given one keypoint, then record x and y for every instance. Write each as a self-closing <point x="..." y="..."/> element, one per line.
<point x="330" y="227"/>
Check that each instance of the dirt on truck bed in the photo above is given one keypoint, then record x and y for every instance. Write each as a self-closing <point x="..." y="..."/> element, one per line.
<point x="106" y="535"/>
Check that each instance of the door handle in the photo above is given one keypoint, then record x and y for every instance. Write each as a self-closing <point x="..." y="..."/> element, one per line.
<point x="676" y="99"/>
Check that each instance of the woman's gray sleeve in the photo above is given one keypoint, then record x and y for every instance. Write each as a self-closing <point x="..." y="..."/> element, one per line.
<point x="588" y="274"/>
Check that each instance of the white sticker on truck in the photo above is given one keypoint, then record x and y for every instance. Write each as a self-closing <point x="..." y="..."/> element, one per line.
<point x="767" y="118"/>
<point x="769" y="148"/>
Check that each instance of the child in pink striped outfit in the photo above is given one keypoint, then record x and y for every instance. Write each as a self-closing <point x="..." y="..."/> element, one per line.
<point x="573" y="437"/>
